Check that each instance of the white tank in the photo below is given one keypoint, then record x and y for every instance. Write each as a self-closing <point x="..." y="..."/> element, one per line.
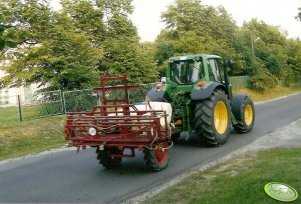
<point x="162" y="106"/>
<point x="157" y="106"/>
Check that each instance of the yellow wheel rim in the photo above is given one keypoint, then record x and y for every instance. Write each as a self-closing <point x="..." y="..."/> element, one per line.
<point x="220" y="117"/>
<point x="248" y="115"/>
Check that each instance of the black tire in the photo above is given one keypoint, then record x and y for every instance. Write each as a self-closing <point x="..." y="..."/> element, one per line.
<point x="205" y="122"/>
<point x="244" y="113"/>
<point x="108" y="161"/>
<point x="157" y="159"/>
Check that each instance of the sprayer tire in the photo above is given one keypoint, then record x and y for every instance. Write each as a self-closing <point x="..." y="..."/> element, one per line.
<point x="108" y="161"/>
<point x="157" y="158"/>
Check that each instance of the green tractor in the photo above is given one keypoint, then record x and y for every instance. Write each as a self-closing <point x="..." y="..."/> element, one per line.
<point x="199" y="90"/>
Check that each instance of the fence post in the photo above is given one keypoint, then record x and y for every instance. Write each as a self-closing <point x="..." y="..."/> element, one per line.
<point x="63" y="103"/>
<point x="20" y="109"/>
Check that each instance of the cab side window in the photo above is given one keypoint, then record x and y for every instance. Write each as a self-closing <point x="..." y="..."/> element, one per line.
<point x="214" y="70"/>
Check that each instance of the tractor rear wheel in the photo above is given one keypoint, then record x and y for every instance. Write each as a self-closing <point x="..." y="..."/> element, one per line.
<point x="244" y="113"/>
<point x="108" y="161"/>
<point x="213" y="119"/>
<point x="157" y="158"/>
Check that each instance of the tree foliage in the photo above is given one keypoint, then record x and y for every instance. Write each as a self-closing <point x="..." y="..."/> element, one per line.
<point x="259" y="50"/>
<point x="51" y="51"/>
<point x="192" y="27"/>
<point x="70" y="48"/>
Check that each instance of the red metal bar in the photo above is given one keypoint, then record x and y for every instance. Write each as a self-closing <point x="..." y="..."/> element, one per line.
<point x="110" y="88"/>
<point x="102" y="78"/>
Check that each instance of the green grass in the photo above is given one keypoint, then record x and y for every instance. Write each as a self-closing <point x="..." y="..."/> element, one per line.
<point x="32" y="136"/>
<point x="10" y="114"/>
<point x="270" y="94"/>
<point x="240" y="180"/>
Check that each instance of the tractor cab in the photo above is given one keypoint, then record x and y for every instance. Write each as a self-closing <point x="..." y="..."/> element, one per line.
<point x="190" y="71"/>
<point x="193" y="68"/>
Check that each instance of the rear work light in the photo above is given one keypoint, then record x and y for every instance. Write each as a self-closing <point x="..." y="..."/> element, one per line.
<point x="202" y="84"/>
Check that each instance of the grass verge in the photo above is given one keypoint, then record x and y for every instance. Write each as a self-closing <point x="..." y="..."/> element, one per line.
<point x="240" y="180"/>
<point x="270" y="94"/>
<point x="32" y="136"/>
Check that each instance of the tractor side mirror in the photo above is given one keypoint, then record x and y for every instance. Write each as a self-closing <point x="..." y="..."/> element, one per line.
<point x="230" y="64"/>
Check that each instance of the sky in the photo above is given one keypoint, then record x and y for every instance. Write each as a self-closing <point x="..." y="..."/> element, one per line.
<point x="281" y="13"/>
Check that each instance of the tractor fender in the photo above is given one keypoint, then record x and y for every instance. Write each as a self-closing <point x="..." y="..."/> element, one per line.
<point x="155" y="95"/>
<point x="201" y="94"/>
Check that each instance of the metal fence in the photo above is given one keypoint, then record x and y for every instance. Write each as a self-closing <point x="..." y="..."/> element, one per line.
<point x="239" y="82"/>
<point x="42" y="104"/>
<point x="138" y="95"/>
<point x="79" y="100"/>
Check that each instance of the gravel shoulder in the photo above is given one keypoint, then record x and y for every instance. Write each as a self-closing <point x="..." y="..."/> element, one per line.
<point x="286" y="137"/>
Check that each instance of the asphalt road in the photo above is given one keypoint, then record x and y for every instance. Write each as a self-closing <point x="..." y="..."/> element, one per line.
<point x="69" y="177"/>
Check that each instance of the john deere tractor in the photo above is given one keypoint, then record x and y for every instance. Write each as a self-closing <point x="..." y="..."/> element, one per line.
<point x="199" y="90"/>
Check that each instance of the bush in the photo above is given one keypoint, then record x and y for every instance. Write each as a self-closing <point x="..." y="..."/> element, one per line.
<point x="263" y="81"/>
<point x="289" y="75"/>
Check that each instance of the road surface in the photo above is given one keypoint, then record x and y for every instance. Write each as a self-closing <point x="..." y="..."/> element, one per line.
<point x="69" y="177"/>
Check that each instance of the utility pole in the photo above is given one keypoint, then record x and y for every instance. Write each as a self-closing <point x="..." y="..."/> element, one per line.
<point x="252" y="44"/>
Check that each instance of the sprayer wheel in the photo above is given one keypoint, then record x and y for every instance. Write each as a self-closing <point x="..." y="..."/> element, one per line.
<point x="108" y="161"/>
<point x="157" y="158"/>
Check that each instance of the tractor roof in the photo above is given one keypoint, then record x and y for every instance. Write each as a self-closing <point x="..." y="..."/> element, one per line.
<point x="191" y="57"/>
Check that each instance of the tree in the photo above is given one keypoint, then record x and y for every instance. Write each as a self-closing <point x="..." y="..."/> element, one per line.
<point x="193" y="28"/>
<point x="109" y="27"/>
<point x="5" y="42"/>
<point x="273" y="56"/>
<point x="67" y="49"/>
<point x="51" y="51"/>
<point x="123" y="53"/>
<point x="87" y="17"/>
<point x="269" y="46"/>
<point x="259" y="50"/>
<point x="294" y="59"/>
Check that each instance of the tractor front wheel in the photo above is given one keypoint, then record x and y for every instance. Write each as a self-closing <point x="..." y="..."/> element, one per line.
<point x="105" y="158"/>
<point x="244" y="113"/>
<point x="213" y="119"/>
<point x="156" y="158"/>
